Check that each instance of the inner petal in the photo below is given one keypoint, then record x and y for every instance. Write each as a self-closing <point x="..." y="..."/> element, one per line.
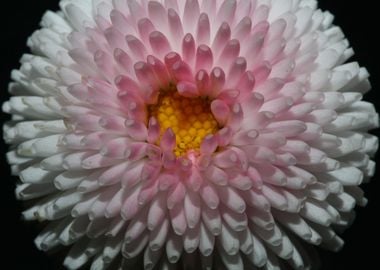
<point x="190" y="119"/>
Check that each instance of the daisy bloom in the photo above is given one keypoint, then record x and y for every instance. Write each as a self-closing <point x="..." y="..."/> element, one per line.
<point x="212" y="134"/>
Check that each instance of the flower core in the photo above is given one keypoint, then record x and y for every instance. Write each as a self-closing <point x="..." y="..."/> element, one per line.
<point x="190" y="119"/>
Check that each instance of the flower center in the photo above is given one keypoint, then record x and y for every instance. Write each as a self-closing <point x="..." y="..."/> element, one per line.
<point x="190" y="119"/>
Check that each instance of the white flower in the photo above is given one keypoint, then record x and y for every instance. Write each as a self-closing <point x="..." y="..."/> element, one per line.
<point x="221" y="133"/>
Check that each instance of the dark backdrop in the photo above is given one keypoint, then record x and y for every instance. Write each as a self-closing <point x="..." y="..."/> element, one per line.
<point x="359" y="20"/>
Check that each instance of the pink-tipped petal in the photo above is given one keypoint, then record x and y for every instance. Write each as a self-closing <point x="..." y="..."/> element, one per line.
<point x="204" y="58"/>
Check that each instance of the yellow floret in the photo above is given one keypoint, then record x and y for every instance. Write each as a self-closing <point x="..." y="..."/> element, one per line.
<point x="197" y="124"/>
<point x="192" y="118"/>
<point x="182" y="133"/>
<point x="169" y="110"/>
<point x="161" y="117"/>
<point x="207" y="124"/>
<point x="192" y="131"/>
<point x="189" y="118"/>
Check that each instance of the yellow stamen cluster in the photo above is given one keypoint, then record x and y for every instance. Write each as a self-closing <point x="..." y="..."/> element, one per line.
<point x="190" y="119"/>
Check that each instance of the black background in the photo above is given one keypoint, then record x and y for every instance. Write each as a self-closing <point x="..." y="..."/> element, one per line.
<point x="359" y="20"/>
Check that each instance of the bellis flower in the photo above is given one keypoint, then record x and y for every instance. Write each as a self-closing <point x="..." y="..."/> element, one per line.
<point x="221" y="134"/>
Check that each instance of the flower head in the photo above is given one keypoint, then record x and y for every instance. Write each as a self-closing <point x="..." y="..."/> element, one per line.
<point x="219" y="133"/>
